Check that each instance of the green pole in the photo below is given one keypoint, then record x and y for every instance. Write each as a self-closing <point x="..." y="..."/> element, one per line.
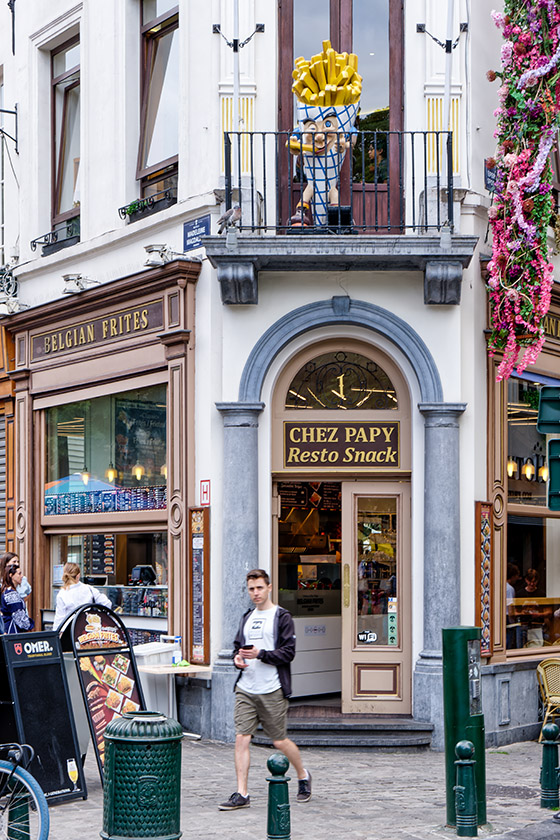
<point x="465" y="790"/>
<point x="549" y="767"/>
<point x="278" y="801"/>
<point x="462" y="711"/>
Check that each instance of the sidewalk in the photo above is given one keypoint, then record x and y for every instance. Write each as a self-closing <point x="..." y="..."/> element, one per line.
<point x="357" y="795"/>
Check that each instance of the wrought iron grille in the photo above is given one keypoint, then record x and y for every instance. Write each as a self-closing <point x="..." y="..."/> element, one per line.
<point x="389" y="182"/>
<point x="59" y="236"/>
<point x="149" y="204"/>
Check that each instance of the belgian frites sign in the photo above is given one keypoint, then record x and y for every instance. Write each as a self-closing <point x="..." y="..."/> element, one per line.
<point x="340" y="445"/>
<point x="113" y="326"/>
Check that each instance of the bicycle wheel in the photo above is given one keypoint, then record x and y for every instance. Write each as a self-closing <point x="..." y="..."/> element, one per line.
<point x="24" y="814"/>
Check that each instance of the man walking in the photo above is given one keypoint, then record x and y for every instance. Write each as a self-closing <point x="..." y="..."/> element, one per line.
<point x="263" y="649"/>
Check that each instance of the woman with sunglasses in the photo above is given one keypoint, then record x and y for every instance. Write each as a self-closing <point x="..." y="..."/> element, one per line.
<point x="12" y="605"/>
<point x="11" y="559"/>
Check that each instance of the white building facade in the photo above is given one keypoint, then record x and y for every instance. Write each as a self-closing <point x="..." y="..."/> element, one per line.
<point x="314" y="401"/>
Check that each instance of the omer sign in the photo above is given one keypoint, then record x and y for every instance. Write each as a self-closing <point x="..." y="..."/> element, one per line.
<point x="342" y="445"/>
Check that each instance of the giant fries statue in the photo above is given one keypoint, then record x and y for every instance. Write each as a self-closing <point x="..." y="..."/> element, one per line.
<point x="328" y="89"/>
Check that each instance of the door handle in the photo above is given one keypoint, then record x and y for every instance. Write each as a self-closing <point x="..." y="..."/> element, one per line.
<point x="346" y="584"/>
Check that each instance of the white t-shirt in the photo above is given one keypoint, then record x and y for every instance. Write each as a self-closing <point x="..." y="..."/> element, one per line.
<point x="76" y="595"/>
<point x="260" y="678"/>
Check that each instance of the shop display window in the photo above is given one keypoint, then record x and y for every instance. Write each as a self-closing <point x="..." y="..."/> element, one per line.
<point x="533" y="582"/>
<point x="533" y="535"/>
<point x="131" y="569"/>
<point x="107" y="454"/>
<point x="527" y="468"/>
<point x="309" y="538"/>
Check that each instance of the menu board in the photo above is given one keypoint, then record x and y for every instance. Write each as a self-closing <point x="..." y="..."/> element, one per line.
<point x="107" y="670"/>
<point x="199" y="545"/>
<point x="106" y="501"/>
<point x="99" y="554"/>
<point x="109" y="689"/>
<point x="323" y="495"/>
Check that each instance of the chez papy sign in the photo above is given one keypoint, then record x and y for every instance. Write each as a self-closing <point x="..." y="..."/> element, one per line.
<point x="342" y="444"/>
<point x="109" y="327"/>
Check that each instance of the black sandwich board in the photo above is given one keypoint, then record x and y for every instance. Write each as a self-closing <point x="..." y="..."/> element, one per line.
<point x="106" y="668"/>
<point x="35" y="709"/>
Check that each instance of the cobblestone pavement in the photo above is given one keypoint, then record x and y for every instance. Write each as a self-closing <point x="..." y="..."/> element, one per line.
<point x="357" y="795"/>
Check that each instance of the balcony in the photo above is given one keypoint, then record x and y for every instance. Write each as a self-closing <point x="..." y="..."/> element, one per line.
<point x="142" y="207"/>
<point x="64" y="235"/>
<point x="394" y="211"/>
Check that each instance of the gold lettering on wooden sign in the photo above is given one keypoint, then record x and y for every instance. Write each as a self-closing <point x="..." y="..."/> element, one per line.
<point x="111" y="327"/>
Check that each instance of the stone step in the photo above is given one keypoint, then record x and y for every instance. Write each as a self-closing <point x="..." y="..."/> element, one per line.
<point x="353" y="731"/>
<point x="352" y="723"/>
<point x="353" y="740"/>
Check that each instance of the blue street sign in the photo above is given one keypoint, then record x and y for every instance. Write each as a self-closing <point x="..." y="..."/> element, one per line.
<point x="193" y="230"/>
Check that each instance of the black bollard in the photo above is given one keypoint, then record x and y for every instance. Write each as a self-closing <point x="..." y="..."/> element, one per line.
<point x="278" y="800"/>
<point x="549" y="767"/>
<point x="465" y="790"/>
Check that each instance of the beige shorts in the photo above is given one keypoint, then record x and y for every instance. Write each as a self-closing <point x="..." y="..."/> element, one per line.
<point x="270" y="710"/>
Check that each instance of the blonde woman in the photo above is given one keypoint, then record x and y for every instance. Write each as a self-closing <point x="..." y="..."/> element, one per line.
<point x="75" y="594"/>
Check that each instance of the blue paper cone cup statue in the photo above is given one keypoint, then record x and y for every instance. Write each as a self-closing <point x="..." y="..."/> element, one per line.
<point x="328" y="89"/>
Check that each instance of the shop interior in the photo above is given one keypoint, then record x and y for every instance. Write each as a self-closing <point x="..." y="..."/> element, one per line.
<point x="131" y="569"/>
<point x="309" y="555"/>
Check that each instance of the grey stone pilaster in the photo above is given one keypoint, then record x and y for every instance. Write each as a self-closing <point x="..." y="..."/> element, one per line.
<point x="240" y="546"/>
<point x="441" y="555"/>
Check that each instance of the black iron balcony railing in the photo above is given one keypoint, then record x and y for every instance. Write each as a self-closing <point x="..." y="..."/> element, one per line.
<point x="387" y="182"/>
<point x="63" y="235"/>
<point x="141" y="207"/>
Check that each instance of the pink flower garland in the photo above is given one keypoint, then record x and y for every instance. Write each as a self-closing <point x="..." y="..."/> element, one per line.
<point x="520" y="274"/>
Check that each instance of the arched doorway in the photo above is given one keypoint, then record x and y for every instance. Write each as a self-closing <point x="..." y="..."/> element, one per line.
<point x="341" y="466"/>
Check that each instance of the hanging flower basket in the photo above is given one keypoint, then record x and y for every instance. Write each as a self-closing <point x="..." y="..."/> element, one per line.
<point x="520" y="274"/>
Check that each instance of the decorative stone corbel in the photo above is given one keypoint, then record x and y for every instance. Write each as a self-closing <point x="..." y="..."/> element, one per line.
<point x="239" y="282"/>
<point x="442" y="282"/>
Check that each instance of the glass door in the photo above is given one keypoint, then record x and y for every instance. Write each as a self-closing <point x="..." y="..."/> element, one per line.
<point x="376" y="598"/>
<point x="373" y="30"/>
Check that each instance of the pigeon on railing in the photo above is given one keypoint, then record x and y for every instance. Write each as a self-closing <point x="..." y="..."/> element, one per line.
<point x="229" y="218"/>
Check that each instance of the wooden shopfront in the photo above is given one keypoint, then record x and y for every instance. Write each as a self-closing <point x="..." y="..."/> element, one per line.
<point x="341" y="501"/>
<point x="523" y="620"/>
<point x="104" y="465"/>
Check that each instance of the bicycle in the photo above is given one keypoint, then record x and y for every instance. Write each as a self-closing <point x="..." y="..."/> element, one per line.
<point x="24" y="813"/>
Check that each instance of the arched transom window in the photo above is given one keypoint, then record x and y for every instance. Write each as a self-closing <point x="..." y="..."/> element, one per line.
<point x="341" y="380"/>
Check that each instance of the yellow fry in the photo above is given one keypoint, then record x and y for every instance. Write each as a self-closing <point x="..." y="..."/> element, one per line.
<point x="353" y="61"/>
<point x="311" y="83"/>
<point x="331" y="75"/>
<point x="318" y="71"/>
<point x="326" y="46"/>
<point x="297" y="87"/>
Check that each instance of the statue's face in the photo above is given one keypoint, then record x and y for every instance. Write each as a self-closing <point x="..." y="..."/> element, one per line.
<point x="322" y="131"/>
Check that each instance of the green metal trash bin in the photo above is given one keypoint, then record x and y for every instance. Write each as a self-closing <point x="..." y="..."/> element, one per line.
<point x="142" y="779"/>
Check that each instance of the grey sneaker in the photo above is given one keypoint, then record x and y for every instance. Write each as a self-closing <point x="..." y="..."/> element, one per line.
<point x="234" y="802"/>
<point x="304" y="789"/>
